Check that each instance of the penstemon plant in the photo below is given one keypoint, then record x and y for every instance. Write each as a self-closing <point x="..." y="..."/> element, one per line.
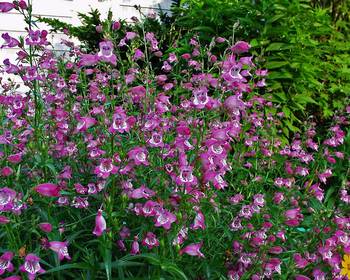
<point x="138" y="162"/>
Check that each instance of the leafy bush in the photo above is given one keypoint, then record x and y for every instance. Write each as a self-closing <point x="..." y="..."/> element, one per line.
<point x="306" y="55"/>
<point x="136" y="163"/>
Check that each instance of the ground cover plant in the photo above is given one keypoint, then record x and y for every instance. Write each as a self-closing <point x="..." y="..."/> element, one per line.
<point x="140" y="162"/>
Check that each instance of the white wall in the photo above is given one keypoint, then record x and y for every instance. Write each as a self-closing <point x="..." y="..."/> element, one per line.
<point x="66" y="10"/>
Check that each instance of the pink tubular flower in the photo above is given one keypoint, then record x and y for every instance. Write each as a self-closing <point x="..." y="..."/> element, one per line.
<point x="234" y="104"/>
<point x="15" y="277"/>
<point x="135" y="247"/>
<point x="4" y="220"/>
<point x="61" y="249"/>
<point x="100" y="224"/>
<point x="193" y="250"/>
<point x="15" y="158"/>
<point x="23" y="5"/>
<point x="300" y="262"/>
<point x="116" y="25"/>
<point x="85" y="123"/>
<point x="325" y="175"/>
<point x="87" y="60"/>
<point x="7" y="197"/>
<point x="138" y="54"/>
<point x="181" y="236"/>
<point x="186" y="177"/>
<point x="5" y="262"/>
<point x="48" y="189"/>
<point x="46" y="227"/>
<point x="165" y="219"/>
<point x="31" y="266"/>
<point x="137" y="93"/>
<point x="240" y="47"/>
<point x="37" y="38"/>
<point x="105" y="169"/>
<point x="199" y="221"/>
<point x="142" y="192"/>
<point x="6" y="171"/>
<point x="150" y="240"/>
<point x="6" y="7"/>
<point x="10" y="42"/>
<point x="273" y="265"/>
<point x="293" y="217"/>
<point x="139" y="156"/>
<point x="301" y="277"/>
<point x="106" y="53"/>
<point x="121" y="122"/>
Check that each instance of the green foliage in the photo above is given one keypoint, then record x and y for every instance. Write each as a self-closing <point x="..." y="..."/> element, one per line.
<point x="86" y="32"/>
<point x="305" y="46"/>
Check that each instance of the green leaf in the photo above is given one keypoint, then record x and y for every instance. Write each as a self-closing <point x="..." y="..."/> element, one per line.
<point x="278" y="47"/>
<point x="254" y="43"/>
<point x="204" y="29"/>
<point x="303" y="98"/>
<point x="175" y="271"/>
<point x="275" y="64"/>
<point x="280" y="75"/>
<point x="67" y="267"/>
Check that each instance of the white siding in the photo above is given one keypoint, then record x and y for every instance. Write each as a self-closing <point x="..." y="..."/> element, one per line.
<point x="66" y="10"/>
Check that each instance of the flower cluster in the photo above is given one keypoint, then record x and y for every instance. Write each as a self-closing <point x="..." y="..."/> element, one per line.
<point x="179" y="154"/>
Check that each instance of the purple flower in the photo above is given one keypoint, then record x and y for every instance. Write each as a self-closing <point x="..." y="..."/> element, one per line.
<point x="271" y="266"/>
<point x="87" y="60"/>
<point x="14" y="277"/>
<point x="46" y="227"/>
<point x="9" y="67"/>
<point x="61" y="249"/>
<point x="7" y="197"/>
<point x="142" y="192"/>
<point x="130" y="35"/>
<point x="10" y="42"/>
<point x="85" y="123"/>
<point x="199" y="221"/>
<point x="121" y="245"/>
<point x="293" y="217"/>
<point x="5" y="262"/>
<point x="124" y="232"/>
<point x="37" y="38"/>
<point x="138" y="55"/>
<point x="259" y="200"/>
<point x="139" y="156"/>
<point x="150" y="240"/>
<point x="121" y="122"/>
<point x="234" y="104"/>
<point x="156" y="140"/>
<point x="48" y="189"/>
<point x="186" y="178"/>
<point x="105" y="169"/>
<point x="116" y="25"/>
<point x="106" y="52"/>
<point x="31" y="266"/>
<point x="137" y="93"/>
<point x="164" y="219"/>
<point x="100" y="224"/>
<point x="240" y="47"/>
<point x="300" y="262"/>
<point x="4" y="220"/>
<point x="301" y="277"/>
<point x="135" y="247"/>
<point x="6" y="7"/>
<point x="237" y="198"/>
<point x="181" y="236"/>
<point x="246" y="211"/>
<point x="193" y="250"/>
